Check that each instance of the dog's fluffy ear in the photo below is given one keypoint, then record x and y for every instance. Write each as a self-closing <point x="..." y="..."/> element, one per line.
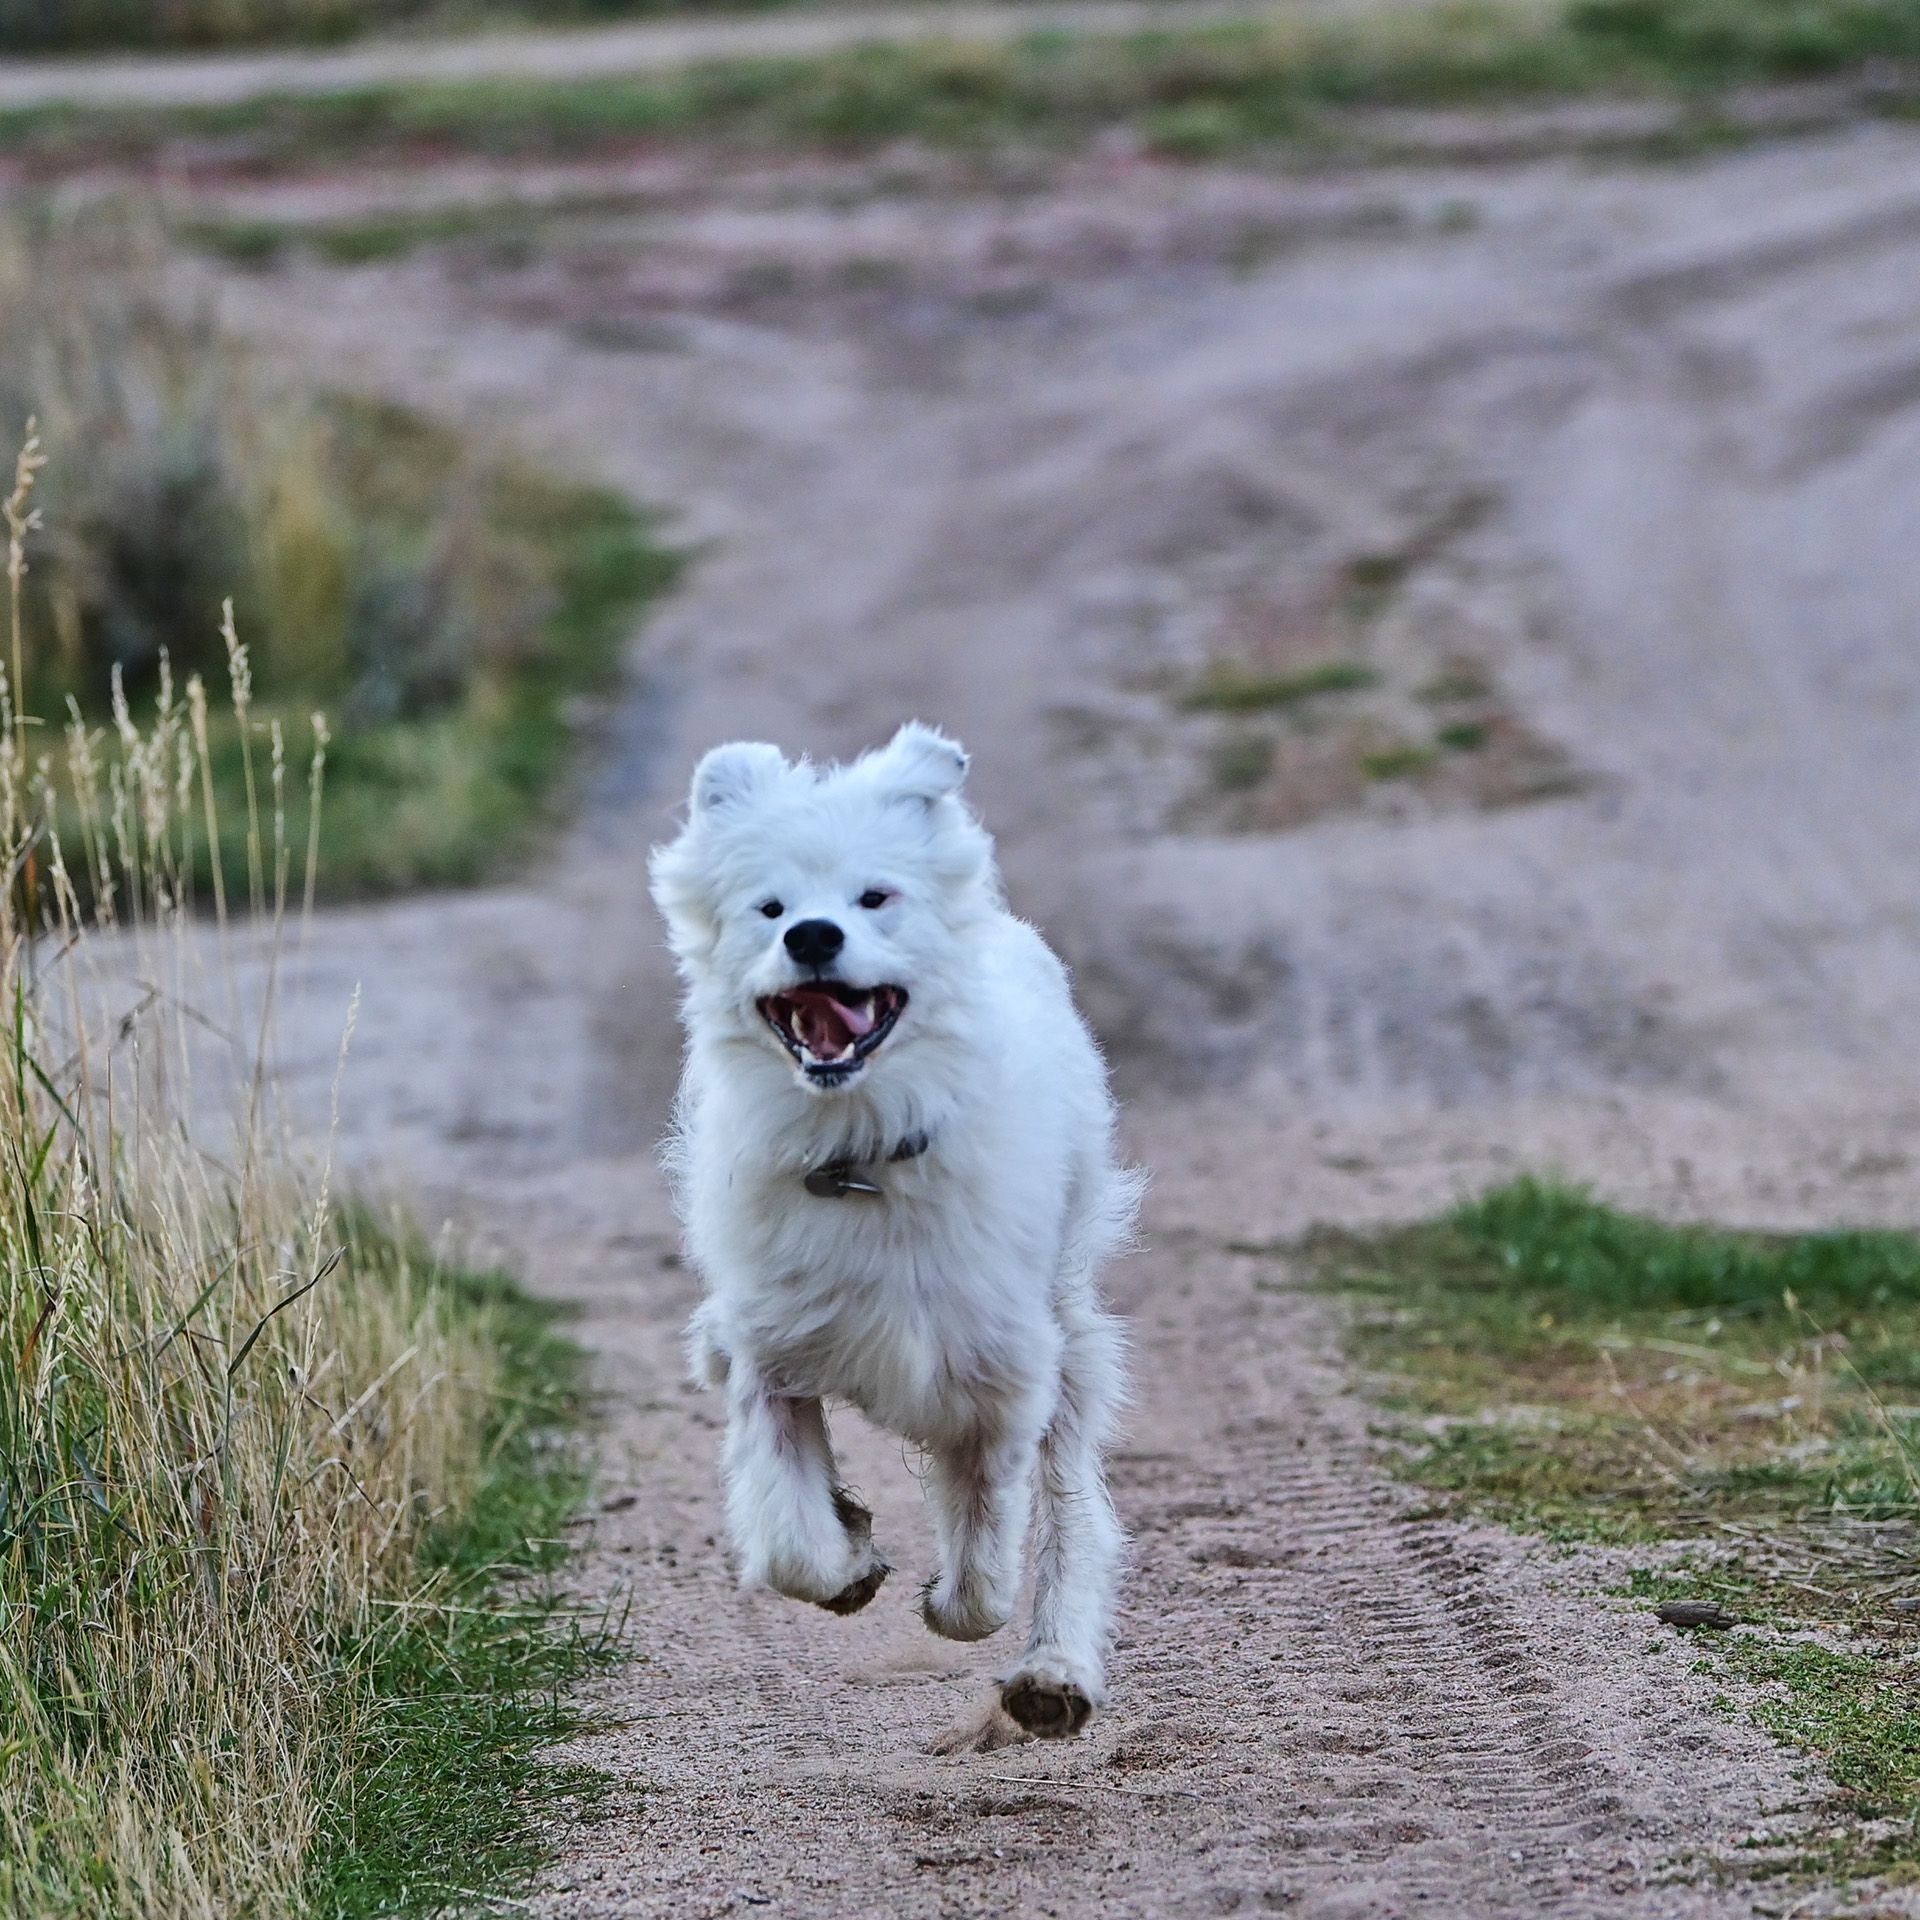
<point x="730" y="774"/>
<point x="920" y="763"/>
<point x="724" y="780"/>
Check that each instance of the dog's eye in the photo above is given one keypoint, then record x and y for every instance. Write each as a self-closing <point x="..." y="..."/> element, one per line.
<point x="875" y="897"/>
<point x="772" y="909"/>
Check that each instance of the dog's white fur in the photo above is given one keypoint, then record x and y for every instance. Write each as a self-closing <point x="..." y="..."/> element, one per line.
<point x="959" y="1305"/>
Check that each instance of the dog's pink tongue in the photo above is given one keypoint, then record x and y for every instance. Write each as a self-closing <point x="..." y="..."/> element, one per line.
<point x="827" y="1026"/>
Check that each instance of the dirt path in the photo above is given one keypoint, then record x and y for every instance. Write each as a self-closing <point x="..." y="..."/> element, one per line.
<point x="1639" y="449"/>
<point x="586" y="53"/>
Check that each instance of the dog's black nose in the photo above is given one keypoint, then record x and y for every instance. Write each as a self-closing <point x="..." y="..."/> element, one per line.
<point x="814" y="942"/>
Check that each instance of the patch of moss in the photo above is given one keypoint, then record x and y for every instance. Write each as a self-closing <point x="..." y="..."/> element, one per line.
<point x="1225" y="688"/>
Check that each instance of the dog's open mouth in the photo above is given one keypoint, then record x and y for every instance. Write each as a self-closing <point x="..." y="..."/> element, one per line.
<point x="830" y="1028"/>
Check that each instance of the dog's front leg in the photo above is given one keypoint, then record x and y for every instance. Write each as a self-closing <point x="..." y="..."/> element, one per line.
<point x="794" y="1527"/>
<point x="981" y="1492"/>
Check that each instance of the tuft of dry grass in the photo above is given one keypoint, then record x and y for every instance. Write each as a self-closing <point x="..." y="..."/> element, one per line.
<point x="241" y="1429"/>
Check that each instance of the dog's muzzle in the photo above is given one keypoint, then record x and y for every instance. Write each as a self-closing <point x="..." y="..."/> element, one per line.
<point x="829" y="1027"/>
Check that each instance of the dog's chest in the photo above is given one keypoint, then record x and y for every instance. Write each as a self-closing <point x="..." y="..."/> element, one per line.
<point x="899" y="1302"/>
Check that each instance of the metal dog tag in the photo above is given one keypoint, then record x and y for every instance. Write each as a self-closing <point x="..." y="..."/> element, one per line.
<point x="836" y="1181"/>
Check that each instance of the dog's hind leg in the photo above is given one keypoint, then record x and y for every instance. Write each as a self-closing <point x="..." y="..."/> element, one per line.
<point x="1078" y="1542"/>
<point x="795" y="1528"/>
<point x="981" y="1492"/>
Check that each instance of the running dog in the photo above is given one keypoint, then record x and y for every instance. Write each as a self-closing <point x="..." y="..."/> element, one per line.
<point x="894" y="1163"/>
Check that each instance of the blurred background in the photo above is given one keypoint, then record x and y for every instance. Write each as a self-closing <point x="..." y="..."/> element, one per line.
<point x="1408" y="505"/>
<point x="1412" y="508"/>
<point x="1406" y="499"/>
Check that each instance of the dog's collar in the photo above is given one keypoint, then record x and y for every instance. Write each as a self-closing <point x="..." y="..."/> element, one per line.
<point x="839" y="1178"/>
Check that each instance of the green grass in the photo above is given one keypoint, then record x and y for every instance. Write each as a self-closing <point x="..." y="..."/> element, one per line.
<point x="1194" y="91"/>
<point x="506" y="226"/>
<point x="85" y="26"/>
<point x="1231" y="689"/>
<point x="442" y="1712"/>
<point x="1242" y="760"/>
<point x="1399" y="762"/>
<point x="351" y="243"/>
<point x="449" y="797"/>
<point x="1463" y="682"/>
<point x="1593" y="1375"/>
<point x="1854" y="1712"/>
<point x="1556" y="1241"/>
<point x="446" y="759"/>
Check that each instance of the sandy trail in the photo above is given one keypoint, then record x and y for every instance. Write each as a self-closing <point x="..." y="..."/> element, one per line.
<point x="1681" y="407"/>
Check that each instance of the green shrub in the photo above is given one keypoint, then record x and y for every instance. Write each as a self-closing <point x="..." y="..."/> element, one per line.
<point x="442" y="608"/>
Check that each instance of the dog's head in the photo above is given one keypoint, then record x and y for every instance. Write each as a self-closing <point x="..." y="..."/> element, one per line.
<point x="825" y="912"/>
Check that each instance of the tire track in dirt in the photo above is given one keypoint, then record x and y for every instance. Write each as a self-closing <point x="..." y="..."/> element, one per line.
<point x="1429" y="1746"/>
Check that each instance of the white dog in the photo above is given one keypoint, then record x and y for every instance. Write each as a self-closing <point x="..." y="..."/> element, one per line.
<point x="895" y="1166"/>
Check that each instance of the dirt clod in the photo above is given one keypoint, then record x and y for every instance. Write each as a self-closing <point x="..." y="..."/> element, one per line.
<point x="1694" y="1613"/>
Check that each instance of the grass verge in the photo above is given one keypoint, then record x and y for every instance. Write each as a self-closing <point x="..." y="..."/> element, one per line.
<point x="279" y="1491"/>
<point x="509" y="228"/>
<point x="448" y="784"/>
<point x="442" y="1708"/>
<point x="1227" y="688"/>
<point x="1272" y="82"/>
<point x="1738" y="1409"/>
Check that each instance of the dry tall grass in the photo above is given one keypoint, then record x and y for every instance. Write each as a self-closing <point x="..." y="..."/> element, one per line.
<point x="225" y="1426"/>
<point x="185" y="472"/>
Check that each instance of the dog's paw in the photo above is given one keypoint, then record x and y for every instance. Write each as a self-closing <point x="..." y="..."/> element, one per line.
<point x="858" y="1521"/>
<point x="857" y="1592"/>
<point x="986" y="1730"/>
<point x="1047" y="1700"/>
<point x="960" y="1613"/>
